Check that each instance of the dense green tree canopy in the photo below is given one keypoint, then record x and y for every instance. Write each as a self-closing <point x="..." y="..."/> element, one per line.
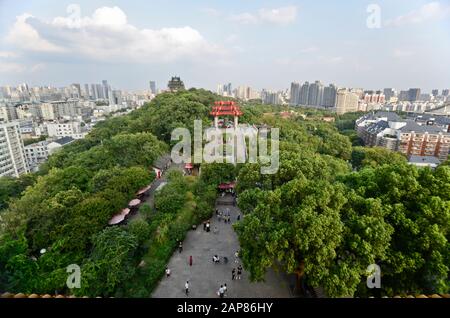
<point x="332" y="208"/>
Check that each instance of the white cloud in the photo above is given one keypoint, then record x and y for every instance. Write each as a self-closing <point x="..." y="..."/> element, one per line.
<point x="331" y="60"/>
<point x="7" y="54"/>
<point x="244" y="18"/>
<point x="37" y="67"/>
<point x="285" y="61"/>
<point x="211" y="12"/>
<point x="284" y="15"/>
<point x="310" y="49"/>
<point x="315" y="61"/>
<point x="428" y="12"/>
<point x="26" y="36"/>
<point x="400" y="53"/>
<point x="280" y="16"/>
<point x="107" y="36"/>
<point x="232" y="38"/>
<point x="8" y="67"/>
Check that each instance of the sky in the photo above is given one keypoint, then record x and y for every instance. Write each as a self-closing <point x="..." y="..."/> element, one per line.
<point x="264" y="44"/>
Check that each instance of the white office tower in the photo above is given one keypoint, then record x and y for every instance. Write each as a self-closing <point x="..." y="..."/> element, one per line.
<point x="346" y="102"/>
<point x="12" y="153"/>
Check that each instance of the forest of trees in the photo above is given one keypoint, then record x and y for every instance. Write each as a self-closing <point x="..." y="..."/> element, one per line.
<point x="332" y="209"/>
<point x="66" y="206"/>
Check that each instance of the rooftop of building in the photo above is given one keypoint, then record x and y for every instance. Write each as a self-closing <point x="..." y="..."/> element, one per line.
<point x="412" y="125"/>
<point x="440" y="120"/>
<point x="377" y="127"/>
<point x="424" y="159"/>
<point x="64" y="140"/>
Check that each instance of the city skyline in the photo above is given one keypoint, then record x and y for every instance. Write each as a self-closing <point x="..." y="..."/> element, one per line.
<point x="209" y="43"/>
<point x="163" y="86"/>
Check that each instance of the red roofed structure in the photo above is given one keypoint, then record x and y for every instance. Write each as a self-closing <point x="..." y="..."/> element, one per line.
<point x="225" y="108"/>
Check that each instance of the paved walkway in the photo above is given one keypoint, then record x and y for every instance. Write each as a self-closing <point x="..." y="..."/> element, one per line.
<point x="150" y="199"/>
<point x="205" y="277"/>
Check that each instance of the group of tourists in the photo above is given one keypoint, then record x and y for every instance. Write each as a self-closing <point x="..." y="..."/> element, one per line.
<point x="236" y="273"/>
<point x="224" y="215"/>
<point x="222" y="291"/>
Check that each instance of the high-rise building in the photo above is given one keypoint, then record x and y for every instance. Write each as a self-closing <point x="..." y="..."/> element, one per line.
<point x="241" y="92"/>
<point x="227" y="89"/>
<point x="270" y="97"/>
<point x="100" y="91"/>
<point x="329" y="96"/>
<point x="425" y="97"/>
<point x="346" y="101"/>
<point x="153" y="87"/>
<point x="304" y="94"/>
<point x="48" y="111"/>
<point x="413" y="94"/>
<point x="445" y="92"/>
<point x="403" y="96"/>
<point x="12" y="153"/>
<point x="106" y="89"/>
<point x="389" y="93"/>
<point x="8" y="113"/>
<point x="4" y="116"/>
<point x="117" y="97"/>
<point x="220" y="90"/>
<point x="77" y="90"/>
<point x="224" y="89"/>
<point x="435" y="92"/>
<point x="295" y="94"/>
<point x="87" y="95"/>
<point x="315" y="94"/>
<point x="94" y="92"/>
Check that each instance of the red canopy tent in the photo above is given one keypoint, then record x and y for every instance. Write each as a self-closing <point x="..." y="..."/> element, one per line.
<point x="226" y="186"/>
<point x="116" y="219"/>
<point x="144" y="190"/>
<point x="133" y="203"/>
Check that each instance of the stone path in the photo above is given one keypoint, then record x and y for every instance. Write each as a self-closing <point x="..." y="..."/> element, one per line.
<point x="155" y="184"/>
<point x="205" y="277"/>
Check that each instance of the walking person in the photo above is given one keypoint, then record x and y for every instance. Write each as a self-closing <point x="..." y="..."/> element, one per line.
<point x="239" y="272"/>
<point x="225" y="289"/>
<point x="204" y="225"/>
<point x="208" y="226"/>
<point x="233" y="274"/>
<point x="236" y="257"/>
<point x="186" y="288"/>
<point x="180" y="246"/>
<point x="167" y="272"/>
<point x="221" y="291"/>
<point x="190" y="260"/>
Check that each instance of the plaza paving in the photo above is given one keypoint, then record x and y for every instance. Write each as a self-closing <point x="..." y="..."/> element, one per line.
<point x="205" y="277"/>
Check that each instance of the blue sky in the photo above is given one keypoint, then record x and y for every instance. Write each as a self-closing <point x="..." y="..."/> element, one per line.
<point x="264" y="44"/>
